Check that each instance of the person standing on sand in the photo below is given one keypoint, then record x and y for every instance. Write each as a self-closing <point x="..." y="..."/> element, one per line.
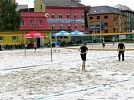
<point x="121" y="50"/>
<point x="35" y="45"/>
<point x="83" y="49"/>
<point x="103" y="44"/>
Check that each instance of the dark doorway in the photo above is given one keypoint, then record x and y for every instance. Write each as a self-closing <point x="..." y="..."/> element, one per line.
<point x="38" y="42"/>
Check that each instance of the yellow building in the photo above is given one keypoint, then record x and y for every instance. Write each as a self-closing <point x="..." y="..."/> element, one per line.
<point x="11" y="38"/>
<point x="17" y="39"/>
<point x="39" y="6"/>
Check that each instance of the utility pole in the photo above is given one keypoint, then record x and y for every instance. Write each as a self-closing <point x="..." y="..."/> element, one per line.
<point x="100" y="31"/>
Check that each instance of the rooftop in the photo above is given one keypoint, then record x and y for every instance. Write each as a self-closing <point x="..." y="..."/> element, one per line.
<point x="104" y="9"/>
<point x="62" y="3"/>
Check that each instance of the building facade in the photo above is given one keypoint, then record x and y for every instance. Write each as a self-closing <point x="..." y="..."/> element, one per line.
<point x="39" y="6"/>
<point x="130" y="16"/>
<point x="130" y="20"/>
<point x="21" y="7"/>
<point x="66" y="18"/>
<point x="106" y="19"/>
<point x="33" y="21"/>
<point x="55" y="16"/>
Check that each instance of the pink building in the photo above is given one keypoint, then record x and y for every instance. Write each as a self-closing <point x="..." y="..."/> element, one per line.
<point x="33" y="21"/>
<point x="66" y="17"/>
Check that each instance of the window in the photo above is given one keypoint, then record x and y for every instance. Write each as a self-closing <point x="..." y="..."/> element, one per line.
<point x="40" y="23"/>
<point x="61" y="26"/>
<point x="105" y="17"/>
<point x="82" y="16"/>
<point x="1" y="38"/>
<point x="14" y="38"/>
<point x="114" y="30"/>
<point x="98" y="17"/>
<point x="106" y="24"/>
<point x="125" y="29"/>
<point x="75" y="26"/>
<point x="40" y="6"/>
<point x="91" y="18"/>
<point x="60" y="16"/>
<point x="83" y="26"/>
<point x="68" y="16"/>
<point x="22" y="23"/>
<point x="75" y="16"/>
<point x="106" y="31"/>
<point x="115" y="18"/>
<point x="53" y="15"/>
<point x="68" y="27"/>
<point x="53" y="26"/>
<point x="31" y="23"/>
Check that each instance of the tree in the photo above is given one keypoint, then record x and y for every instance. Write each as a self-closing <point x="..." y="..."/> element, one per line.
<point x="9" y="17"/>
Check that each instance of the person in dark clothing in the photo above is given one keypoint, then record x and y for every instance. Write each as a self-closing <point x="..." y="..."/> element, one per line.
<point x="121" y="49"/>
<point x="103" y="44"/>
<point x="35" y="46"/>
<point x="83" y="49"/>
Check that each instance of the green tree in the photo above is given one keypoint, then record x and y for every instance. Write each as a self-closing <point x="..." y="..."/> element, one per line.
<point x="9" y="17"/>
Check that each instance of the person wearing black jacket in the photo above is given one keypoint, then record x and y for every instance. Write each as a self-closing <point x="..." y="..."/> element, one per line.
<point x="121" y="49"/>
<point x="83" y="49"/>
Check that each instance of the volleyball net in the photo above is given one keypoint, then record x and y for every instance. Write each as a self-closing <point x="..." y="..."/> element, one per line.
<point x="110" y="40"/>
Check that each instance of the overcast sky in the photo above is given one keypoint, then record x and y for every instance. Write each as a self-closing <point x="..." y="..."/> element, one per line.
<point x="129" y="3"/>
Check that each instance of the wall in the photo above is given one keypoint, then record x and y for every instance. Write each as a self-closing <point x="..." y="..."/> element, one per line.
<point x="64" y="11"/>
<point x="39" y="6"/>
<point x="115" y="22"/>
<point x="36" y="17"/>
